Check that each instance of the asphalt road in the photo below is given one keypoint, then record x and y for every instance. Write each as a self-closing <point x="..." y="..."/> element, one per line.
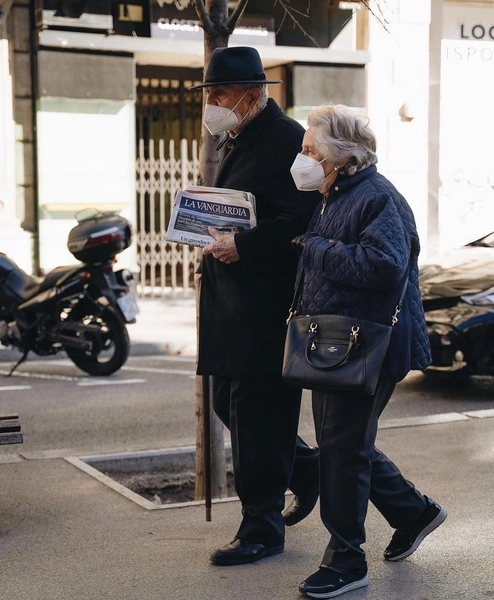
<point x="149" y="404"/>
<point x="62" y="526"/>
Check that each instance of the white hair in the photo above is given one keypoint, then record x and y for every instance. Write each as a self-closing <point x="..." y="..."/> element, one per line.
<point x="343" y="137"/>
<point x="263" y="91"/>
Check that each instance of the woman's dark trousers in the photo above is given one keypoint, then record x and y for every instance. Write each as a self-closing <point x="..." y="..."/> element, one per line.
<point x="262" y="413"/>
<point x="353" y="470"/>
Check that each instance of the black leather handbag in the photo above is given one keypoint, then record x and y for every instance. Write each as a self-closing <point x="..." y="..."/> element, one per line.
<point x="335" y="352"/>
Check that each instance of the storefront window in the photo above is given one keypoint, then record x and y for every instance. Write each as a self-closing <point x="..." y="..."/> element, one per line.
<point x="86" y="151"/>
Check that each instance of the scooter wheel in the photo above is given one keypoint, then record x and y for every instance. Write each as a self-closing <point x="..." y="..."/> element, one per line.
<point x="111" y="344"/>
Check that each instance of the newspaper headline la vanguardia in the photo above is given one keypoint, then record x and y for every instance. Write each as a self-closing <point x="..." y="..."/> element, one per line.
<point x="198" y="207"/>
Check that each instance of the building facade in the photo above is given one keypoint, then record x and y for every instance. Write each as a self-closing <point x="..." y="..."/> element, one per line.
<point x="96" y="112"/>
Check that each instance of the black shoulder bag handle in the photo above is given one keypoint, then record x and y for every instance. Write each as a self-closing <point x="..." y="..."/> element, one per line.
<point x="329" y="351"/>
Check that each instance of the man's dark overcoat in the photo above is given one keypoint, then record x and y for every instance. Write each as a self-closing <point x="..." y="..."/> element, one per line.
<point x="244" y="305"/>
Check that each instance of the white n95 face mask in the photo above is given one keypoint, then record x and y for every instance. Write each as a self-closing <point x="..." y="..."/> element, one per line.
<point x="307" y="173"/>
<point x="218" y="118"/>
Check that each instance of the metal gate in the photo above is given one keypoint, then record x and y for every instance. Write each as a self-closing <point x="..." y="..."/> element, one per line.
<point x="168" y="127"/>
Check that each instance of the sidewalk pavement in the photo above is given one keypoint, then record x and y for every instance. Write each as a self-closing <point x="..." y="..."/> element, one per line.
<point x="66" y="536"/>
<point x="165" y="326"/>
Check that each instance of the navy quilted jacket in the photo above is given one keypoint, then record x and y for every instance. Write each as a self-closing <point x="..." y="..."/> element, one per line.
<point x="357" y="263"/>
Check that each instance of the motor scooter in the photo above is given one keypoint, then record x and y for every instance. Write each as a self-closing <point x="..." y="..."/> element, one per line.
<point x="81" y="309"/>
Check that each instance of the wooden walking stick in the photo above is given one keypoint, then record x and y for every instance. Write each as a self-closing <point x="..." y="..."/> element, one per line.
<point x="207" y="445"/>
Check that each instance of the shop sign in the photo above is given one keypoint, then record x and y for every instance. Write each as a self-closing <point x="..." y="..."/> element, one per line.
<point x="470" y="23"/>
<point x="466" y="195"/>
<point x="476" y="32"/>
<point x="95" y="15"/>
<point x="178" y="4"/>
<point x="468" y="52"/>
<point x="177" y="19"/>
<point x="468" y="34"/>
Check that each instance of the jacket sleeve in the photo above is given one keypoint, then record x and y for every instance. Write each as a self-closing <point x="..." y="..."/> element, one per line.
<point x="287" y="211"/>
<point x="377" y="260"/>
<point x="267" y="247"/>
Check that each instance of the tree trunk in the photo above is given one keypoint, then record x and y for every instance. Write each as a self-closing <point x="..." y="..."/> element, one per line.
<point x="210" y="461"/>
<point x="210" y="443"/>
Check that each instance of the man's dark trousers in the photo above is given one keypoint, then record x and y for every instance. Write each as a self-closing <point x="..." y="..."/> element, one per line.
<point x="262" y="413"/>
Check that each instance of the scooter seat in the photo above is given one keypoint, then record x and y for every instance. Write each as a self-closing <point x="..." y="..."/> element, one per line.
<point x="55" y="276"/>
<point x="25" y="287"/>
<point x="19" y="284"/>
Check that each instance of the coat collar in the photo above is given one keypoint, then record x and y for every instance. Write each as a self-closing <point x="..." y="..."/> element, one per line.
<point x="248" y="135"/>
<point x="344" y="183"/>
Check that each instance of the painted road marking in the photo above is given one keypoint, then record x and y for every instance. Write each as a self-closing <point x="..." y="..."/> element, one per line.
<point x="53" y="376"/>
<point x="432" y="419"/>
<point x="65" y="362"/>
<point x="157" y="370"/>
<point x="40" y="376"/>
<point x="171" y="358"/>
<point x="88" y="382"/>
<point x="13" y="388"/>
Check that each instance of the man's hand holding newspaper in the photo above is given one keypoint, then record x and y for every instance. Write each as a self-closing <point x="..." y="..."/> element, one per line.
<point x="223" y="248"/>
<point x="209" y="217"/>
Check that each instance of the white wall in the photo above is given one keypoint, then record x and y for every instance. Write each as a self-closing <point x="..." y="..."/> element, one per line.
<point x="14" y="241"/>
<point x="466" y="195"/>
<point x="86" y="153"/>
<point x="398" y="80"/>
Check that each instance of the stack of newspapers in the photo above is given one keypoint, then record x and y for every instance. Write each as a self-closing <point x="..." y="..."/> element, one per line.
<point x="198" y="207"/>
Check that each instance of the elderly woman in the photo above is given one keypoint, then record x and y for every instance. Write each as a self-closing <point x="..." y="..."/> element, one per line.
<point x="360" y="249"/>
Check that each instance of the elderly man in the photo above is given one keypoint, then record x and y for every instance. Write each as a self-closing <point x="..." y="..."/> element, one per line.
<point x="246" y="281"/>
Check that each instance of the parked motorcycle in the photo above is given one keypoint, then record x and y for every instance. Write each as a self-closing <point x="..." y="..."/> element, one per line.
<point x="82" y="309"/>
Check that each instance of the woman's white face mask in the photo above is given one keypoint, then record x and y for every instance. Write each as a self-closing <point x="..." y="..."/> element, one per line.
<point x="218" y="118"/>
<point x="307" y="173"/>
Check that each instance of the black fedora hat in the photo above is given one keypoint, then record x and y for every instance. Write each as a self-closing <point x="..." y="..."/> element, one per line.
<point x="239" y="64"/>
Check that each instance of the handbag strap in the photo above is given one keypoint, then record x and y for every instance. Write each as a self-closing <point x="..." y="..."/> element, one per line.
<point x="352" y="346"/>
<point x="292" y="312"/>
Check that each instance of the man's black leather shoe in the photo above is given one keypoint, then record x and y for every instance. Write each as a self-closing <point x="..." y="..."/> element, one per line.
<point x="241" y="552"/>
<point x="407" y="539"/>
<point x="300" y="507"/>
<point x="329" y="582"/>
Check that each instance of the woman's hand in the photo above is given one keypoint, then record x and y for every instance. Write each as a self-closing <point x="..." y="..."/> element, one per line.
<point x="299" y="242"/>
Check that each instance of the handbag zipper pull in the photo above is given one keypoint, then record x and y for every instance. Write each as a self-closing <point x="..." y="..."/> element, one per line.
<point x="312" y="333"/>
